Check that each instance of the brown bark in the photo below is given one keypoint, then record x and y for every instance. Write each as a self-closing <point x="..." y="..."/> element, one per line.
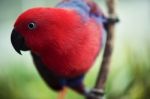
<point x="103" y="73"/>
<point x="104" y="69"/>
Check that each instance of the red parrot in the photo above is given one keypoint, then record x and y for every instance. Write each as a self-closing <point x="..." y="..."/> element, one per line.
<point x="64" y="41"/>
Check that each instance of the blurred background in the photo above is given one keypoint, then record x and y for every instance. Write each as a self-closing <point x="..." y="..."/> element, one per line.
<point x="129" y="76"/>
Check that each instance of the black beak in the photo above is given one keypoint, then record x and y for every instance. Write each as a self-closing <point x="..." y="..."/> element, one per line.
<point x="18" y="42"/>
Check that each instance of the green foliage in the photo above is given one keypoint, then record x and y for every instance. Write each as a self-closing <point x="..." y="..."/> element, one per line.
<point x="131" y="81"/>
<point x="129" y="71"/>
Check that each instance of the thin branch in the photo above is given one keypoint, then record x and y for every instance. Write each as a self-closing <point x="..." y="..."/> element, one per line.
<point x="98" y="91"/>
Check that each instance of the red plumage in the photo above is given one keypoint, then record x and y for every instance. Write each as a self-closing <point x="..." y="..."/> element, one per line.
<point x="66" y="42"/>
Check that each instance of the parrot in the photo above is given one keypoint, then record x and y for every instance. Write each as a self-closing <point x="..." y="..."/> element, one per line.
<point x="64" y="41"/>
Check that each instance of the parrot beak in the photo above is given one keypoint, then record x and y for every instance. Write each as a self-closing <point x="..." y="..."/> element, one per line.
<point x="18" y="42"/>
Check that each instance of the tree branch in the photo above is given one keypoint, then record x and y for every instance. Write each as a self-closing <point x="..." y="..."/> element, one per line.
<point x="98" y="91"/>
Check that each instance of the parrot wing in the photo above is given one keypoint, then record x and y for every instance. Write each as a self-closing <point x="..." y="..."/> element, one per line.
<point x="55" y="82"/>
<point x="52" y="80"/>
<point x="88" y="9"/>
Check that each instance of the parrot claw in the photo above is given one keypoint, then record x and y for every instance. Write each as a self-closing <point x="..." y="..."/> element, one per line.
<point x="95" y="94"/>
<point x="113" y="20"/>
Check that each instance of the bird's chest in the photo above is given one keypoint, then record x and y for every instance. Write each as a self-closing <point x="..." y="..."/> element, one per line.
<point x="73" y="63"/>
<point x="74" y="55"/>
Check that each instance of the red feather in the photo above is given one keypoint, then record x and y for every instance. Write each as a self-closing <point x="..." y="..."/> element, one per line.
<point x="66" y="42"/>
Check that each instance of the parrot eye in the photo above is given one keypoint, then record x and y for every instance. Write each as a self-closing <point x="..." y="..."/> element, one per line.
<point x="31" y="26"/>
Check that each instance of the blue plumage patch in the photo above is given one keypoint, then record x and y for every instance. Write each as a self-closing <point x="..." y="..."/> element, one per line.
<point x="78" y="5"/>
<point x="83" y="8"/>
<point x="71" y="82"/>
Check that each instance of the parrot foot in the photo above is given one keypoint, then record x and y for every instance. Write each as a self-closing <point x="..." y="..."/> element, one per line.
<point x="111" y="20"/>
<point x="95" y="94"/>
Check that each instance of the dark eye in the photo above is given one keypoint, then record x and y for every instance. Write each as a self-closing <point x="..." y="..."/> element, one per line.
<point x="31" y="26"/>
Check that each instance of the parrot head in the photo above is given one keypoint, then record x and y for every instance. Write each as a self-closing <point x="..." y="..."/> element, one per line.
<point x="39" y="29"/>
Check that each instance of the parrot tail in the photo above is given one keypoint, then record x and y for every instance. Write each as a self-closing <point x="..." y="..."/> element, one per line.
<point x="62" y="93"/>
